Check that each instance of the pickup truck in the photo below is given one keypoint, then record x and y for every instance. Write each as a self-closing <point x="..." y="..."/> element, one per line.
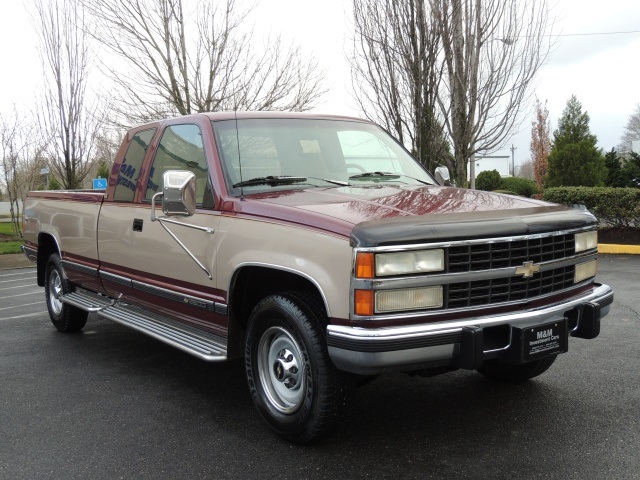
<point x="319" y="251"/>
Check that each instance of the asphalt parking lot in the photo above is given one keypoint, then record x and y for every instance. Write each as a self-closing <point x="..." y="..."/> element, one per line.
<point x="112" y="403"/>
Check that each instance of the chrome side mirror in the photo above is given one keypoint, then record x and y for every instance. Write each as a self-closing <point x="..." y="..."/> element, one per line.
<point x="442" y="176"/>
<point x="179" y="193"/>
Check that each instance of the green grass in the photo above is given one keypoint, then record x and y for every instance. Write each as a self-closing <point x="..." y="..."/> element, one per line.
<point x="6" y="228"/>
<point x="11" y="247"/>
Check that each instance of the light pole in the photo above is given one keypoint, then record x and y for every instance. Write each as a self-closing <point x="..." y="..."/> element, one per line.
<point x="512" y="167"/>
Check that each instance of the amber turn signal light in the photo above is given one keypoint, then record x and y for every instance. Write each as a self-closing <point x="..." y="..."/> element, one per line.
<point x="364" y="302"/>
<point x="364" y="265"/>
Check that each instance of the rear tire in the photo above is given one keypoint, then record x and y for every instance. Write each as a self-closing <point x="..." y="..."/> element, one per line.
<point x="516" y="373"/>
<point x="293" y="383"/>
<point x="66" y="318"/>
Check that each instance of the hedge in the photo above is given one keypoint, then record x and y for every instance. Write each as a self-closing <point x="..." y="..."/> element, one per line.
<point x="488" y="180"/>
<point x="614" y="207"/>
<point x="522" y="186"/>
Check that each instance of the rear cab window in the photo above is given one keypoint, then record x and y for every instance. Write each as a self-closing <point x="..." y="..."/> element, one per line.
<point x="131" y="165"/>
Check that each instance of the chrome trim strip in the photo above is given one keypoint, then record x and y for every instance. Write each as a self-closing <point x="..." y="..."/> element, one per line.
<point x="285" y="269"/>
<point x="112" y="277"/>
<point x="422" y="246"/>
<point x="602" y="295"/>
<point x="202" y="303"/>
<point x="442" y="311"/>
<point x="68" y="265"/>
<point x="448" y="278"/>
<point x="30" y="253"/>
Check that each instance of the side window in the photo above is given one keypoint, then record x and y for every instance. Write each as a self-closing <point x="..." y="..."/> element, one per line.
<point x="181" y="148"/>
<point x="131" y="164"/>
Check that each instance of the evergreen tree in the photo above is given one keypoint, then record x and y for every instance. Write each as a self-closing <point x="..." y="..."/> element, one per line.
<point x="574" y="159"/>
<point x="630" y="172"/>
<point x="103" y="170"/>
<point x="614" y="169"/>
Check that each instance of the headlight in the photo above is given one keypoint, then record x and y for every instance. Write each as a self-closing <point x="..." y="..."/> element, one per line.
<point x="409" y="299"/>
<point x="402" y="263"/>
<point x="585" y="270"/>
<point x="586" y="241"/>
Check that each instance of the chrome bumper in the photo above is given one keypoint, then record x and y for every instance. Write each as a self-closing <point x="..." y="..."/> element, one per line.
<point x="454" y="343"/>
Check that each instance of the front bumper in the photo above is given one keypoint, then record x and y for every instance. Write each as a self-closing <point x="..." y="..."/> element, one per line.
<point x="462" y="343"/>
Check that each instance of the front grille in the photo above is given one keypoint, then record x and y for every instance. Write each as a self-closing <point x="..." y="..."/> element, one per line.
<point x="505" y="254"/>
<point x="510" y="289"/>
<point x="487" y="256"/>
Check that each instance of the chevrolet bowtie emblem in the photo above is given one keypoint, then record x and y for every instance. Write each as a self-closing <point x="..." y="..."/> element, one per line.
<point x="527" y="269"/>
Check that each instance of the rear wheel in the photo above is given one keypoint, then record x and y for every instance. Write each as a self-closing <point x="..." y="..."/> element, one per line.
<point x="66" y="318"/>
<point x="293" y="383"/>
<point x="516" y="373"/>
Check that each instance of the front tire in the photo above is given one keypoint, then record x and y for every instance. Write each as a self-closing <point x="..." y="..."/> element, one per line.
<point x="66" y="318"/>
<point x="516" y="373"/>
<point x="293" y="383"/>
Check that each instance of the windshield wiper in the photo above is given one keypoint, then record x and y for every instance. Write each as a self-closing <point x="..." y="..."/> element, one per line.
<point x="374" y="175"/>
<point x="270" y="180"/>
<point x="380" y="176"/>
<point x="335" y="182"/>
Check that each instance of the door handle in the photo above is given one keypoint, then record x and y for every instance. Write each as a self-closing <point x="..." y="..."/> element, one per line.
<point x="137" y="224"/>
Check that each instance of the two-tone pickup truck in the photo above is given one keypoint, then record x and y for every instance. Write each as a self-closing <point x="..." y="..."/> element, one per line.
<point x="317" y="249"/>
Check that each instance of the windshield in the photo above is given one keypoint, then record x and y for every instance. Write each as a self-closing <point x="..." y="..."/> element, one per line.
<point x="284" y="154"/>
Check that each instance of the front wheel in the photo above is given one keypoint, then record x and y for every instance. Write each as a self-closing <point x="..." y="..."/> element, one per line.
<point x="293" y="383"/>
<point x="66" y="318"/>
<point x="516" y="373"/>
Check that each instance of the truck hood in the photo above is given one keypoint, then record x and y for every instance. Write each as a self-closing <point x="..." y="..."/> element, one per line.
<point x="375" y="215"/>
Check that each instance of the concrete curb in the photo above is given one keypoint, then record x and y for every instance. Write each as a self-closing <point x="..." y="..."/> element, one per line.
<point x="624" y="249"/>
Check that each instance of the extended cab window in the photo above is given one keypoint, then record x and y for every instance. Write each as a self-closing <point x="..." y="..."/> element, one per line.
<point x="181" y="148"/>
<point x="131" y="164"/>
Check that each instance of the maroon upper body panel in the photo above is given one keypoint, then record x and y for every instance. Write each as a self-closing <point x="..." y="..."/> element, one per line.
<point x="427" y="208"/>
<point x="91" y="196"/>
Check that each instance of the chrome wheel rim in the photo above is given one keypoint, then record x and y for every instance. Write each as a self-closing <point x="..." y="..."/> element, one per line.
<point x="281" y="370"/>
<point x="55" y="290"/>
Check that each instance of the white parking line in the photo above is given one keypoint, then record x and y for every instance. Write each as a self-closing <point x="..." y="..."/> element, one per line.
<point x="17" y="280"/>
<point x="29" y="271"/>
<point x="30" y="293"/>
<point x="21" y="305"/>
<point x="25" y="316"/>
<point x="14" y="288"/>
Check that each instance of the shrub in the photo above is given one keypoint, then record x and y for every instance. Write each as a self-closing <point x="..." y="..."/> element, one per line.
<point x="614" y="207"/>
<point x="488" y="180"/>
<point x="522" y="186"/>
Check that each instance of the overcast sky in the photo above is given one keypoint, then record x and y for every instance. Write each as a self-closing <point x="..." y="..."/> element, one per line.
<point x="603" y="71"/>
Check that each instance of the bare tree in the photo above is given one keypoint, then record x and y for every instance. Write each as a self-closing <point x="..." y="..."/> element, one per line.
<point x="181" y="62"/>
<point x="631" y="132"/>
<point x="526" y="170"/>
<point x="69" y="119"/>
<point x="395" y="74"/>
<point x="486" y="54"/>
<point x="20" y="149"/>
<point x="492" y="50"/>
<point x="540" y="142"/>
<point x="10" y="150"/>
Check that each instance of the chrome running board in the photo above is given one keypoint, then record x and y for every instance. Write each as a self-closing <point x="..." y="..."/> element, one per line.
<point x="204" y="345"/>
